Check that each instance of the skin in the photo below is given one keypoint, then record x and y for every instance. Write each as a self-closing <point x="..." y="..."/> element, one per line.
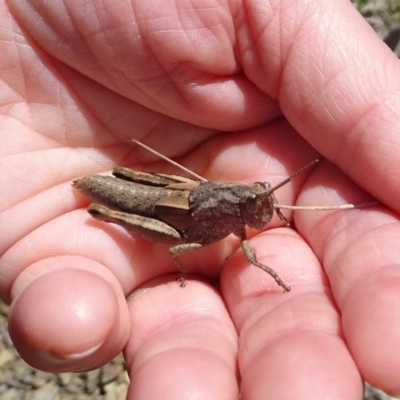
<point x="244" y="91"/>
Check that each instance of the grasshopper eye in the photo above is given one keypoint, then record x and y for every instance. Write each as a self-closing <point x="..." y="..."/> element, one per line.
<point x="252" y="203"/>
<point x="253" y="198"/>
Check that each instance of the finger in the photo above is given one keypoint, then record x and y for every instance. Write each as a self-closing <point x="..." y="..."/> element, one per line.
<point x="336" y="82"/>
<point x="68" y="314"/>
<point x="78" y="234"/>
<point x="183" y="67"/>
<point x="183" y="343"/>
<point x="359" y="251"/>
<point x="290" y="344"/>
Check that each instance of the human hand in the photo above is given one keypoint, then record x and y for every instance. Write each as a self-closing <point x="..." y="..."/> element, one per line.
<point x="82" y="79"/>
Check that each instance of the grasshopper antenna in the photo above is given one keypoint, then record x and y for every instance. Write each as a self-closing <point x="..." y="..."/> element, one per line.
<point x="316" y="208"/>
<point x="200" y="178"/>
<point x="287" y="180"/>
<point x="327" y="208"/>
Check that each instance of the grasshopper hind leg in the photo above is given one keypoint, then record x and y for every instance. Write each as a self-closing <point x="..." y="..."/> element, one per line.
<point x="147" y="228"/>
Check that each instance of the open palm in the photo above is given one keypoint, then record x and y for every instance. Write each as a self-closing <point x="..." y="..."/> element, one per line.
<point x="236" y="92"/>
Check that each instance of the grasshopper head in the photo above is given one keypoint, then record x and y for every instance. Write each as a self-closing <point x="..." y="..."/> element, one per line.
<point x="257" y="204"/>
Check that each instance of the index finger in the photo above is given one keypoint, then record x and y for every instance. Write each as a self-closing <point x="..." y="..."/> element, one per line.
<point x="337" y="83"/>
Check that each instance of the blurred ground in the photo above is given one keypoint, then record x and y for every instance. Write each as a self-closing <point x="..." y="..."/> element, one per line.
<point x="18" y="381"/>
<point x="384" y="17"/>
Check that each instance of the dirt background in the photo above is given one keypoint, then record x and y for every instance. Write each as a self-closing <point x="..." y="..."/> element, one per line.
<point x="19" y="381"/>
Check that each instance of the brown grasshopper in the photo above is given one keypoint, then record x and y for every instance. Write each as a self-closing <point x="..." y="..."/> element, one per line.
<point x="188" y="214"/>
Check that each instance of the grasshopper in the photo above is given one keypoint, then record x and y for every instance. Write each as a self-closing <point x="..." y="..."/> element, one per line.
<point x="187" y="214"/>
